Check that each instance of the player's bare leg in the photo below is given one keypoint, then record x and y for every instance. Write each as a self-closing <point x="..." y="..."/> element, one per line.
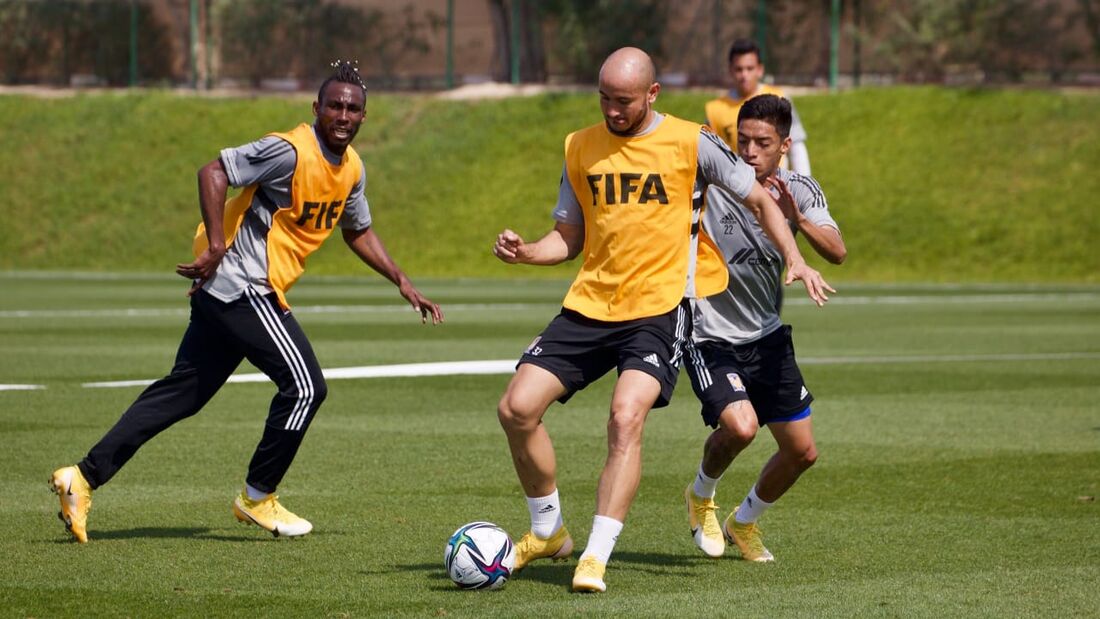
<point x="635" y="393"/>
<point x="530" y="392"/>
<point x="796" y="453"/>
<point x="737" y="426"/>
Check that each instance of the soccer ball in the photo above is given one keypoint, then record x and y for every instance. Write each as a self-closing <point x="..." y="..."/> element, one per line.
<point x="479" y="555"/>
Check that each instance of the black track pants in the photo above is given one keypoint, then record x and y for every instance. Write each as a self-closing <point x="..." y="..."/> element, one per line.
<point x="219" y="336"/>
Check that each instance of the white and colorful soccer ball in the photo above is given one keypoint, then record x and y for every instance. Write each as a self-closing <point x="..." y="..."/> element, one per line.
<point x="480" y="555"/>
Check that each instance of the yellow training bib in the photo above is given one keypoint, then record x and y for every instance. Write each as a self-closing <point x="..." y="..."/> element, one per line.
<point x="317" y="194"/>
<point x="636" y="196"/>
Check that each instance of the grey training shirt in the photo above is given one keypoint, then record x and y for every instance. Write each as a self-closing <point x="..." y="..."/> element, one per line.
<point x="269" y="162"/>
<point x="749" y="308"/>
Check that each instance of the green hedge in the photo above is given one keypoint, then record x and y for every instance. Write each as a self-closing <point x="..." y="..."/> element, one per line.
<point x="928" y="184"/>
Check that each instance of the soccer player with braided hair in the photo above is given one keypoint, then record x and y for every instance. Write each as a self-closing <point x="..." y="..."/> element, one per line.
<point x="249" y="250"/>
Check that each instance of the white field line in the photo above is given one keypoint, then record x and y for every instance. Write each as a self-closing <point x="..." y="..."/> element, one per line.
<point x="507" y="366"/>
<point x="21" y="387"/>
<point x="298" y="309"/>
<point x="508" y="307"/>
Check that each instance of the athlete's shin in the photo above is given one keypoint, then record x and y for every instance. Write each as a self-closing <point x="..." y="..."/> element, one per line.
<point x="797" y="453"/>
<point x="623" y="468"/>
<point x="737" y="427"/>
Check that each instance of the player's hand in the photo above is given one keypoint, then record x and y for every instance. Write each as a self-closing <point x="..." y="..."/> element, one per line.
<point x="421" y="304"/>
<point x="203" y="268"/>
<point x="782" y="194"/>
<point x="816" y="286"/>
<point x="509" y="247"/>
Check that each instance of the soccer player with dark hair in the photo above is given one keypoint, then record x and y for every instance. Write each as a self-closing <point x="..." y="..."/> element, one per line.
<point x="741" y="362"/>
<point x="296" y="187"/>
<point x="629" y="201"/>
<point x="746" y="70"/>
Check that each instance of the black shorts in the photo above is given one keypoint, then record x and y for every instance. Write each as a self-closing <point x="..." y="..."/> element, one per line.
<point x="763" y="372"/>
<point x="579" y="350"/>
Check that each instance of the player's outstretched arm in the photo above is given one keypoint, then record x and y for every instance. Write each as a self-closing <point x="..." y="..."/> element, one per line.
<point x="562" y="243"/>
<point x="213" y="185"/>
<point x="825" y="240"/>
<point x="366" y="244"/>
<point x="771" y="219"/>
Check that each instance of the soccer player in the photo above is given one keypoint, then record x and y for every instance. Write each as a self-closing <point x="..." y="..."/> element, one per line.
<point x="742" y="364"/>
<point x="297" y="186"/>
<point x="629" y="200"/>
<point x="746" y="70"/>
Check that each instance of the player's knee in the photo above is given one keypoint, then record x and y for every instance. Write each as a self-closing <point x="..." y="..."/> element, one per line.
<point x="737" y="430"/>
<point x="320" y="391"/>
<point x="804" y="457"/>
<point x="741" y="432"/>
<point x="514" y="414"/>
<point x="624" y="427"/>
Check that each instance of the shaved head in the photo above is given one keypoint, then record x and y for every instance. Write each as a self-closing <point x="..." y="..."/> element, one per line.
<point x="628" y="67"/>
<point x="628" y="88"/>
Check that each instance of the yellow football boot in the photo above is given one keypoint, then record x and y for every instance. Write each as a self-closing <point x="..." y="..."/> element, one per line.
<point x="530" y="547"/>
<point x="588" y="577"/>
<point x="748" y="539"/>
<point x="703" y="520"/>
<point x="269" y="514"/>
<point x="76" y="500"/>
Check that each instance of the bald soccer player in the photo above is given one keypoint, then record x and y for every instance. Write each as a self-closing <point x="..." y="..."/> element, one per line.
<point x="630" y="200"/>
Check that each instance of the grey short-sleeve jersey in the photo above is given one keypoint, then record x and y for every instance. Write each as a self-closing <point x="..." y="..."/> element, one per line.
<point x="749" y="308"/>
<point x="269" y="164"/>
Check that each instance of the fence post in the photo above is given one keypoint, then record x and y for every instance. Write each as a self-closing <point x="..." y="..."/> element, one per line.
<point x="762" y="30"/>
<point x="834" y="44"/>
<point x="450" y="44"/>
<point x="195" y="44"/>
<point x="133" y="43"/>
<point x="515" y="40"/>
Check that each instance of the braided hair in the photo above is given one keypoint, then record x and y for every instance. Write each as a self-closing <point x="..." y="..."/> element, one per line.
<point x="345" y="72"/>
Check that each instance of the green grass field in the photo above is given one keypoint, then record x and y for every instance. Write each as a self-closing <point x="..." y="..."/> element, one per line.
<point x="958" y="430"/>
<point x="928" y="184"/>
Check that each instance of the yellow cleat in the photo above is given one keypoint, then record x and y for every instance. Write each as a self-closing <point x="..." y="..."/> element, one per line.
<point x="269" y="514"/>
<point x="530" y="547"/>
<point x="748" y="539"/>
<point x="588" y="578"/>
<point x="76" y="500"/>
<point x="703" y="520"/>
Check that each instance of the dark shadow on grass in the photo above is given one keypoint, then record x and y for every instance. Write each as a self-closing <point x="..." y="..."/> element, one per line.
<point x="561" y="573"/>
<point x="201" y="533"/>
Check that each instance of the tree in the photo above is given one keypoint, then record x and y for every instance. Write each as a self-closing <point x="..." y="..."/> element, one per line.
<point x="532" y="59"/>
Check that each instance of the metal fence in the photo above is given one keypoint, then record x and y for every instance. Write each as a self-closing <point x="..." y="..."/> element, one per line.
<point x="434" y="44"/>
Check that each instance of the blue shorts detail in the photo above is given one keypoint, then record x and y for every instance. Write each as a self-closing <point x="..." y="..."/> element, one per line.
<point x="802" y="414"/>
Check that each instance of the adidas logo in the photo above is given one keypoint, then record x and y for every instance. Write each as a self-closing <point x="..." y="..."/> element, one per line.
<point x="804" y="393"/>
<point x="728" y="218"/>
<point x="546" y="509"/>
<point x="652" y="359"/>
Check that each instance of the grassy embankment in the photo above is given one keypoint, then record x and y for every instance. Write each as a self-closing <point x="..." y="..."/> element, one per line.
<point x="928" y="184"/>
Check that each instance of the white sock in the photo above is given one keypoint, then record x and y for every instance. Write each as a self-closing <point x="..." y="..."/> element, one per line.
<point x="545" y="514"/>
<point x="704" y="485"/>
<point x="254" y="494"/>
<point x="752" y="508"/>
<point x="601" y="541"/>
